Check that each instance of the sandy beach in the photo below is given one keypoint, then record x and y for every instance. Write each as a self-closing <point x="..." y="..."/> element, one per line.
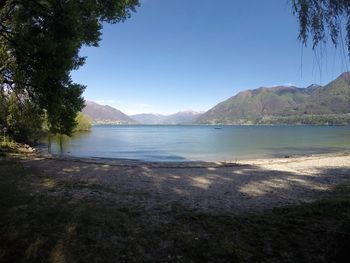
<point x="218" y="187"/>
<point x="104" y="210"/>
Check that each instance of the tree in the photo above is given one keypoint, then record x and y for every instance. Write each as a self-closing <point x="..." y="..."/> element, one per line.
<point x="83" y="122"/>
<point x="43" y="38"/>
<point x="323" y="19"/>
<point x="3" y="108"/>
<point x="62" y="112"/>
<point x="24" y="118"/>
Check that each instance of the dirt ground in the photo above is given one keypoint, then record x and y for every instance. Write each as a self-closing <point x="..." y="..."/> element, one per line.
<point x="98" y="210"/>
<point x="228" y="188"/>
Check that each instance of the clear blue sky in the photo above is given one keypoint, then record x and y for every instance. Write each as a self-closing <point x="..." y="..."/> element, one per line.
<point x="175" y="55"/>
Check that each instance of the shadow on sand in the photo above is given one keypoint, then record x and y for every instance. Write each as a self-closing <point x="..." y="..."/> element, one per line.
<point x="70" y="210"/>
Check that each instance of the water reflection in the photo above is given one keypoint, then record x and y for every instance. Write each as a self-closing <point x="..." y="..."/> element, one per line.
<point x="61" y="144"/>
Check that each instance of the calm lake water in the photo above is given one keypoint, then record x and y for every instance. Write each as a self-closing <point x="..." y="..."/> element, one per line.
<point x="185" y="143"/>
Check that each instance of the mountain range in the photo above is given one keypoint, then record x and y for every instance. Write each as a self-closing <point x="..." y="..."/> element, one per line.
<point x="329" y="104"/>
<point x="104" y="114"/>
<point x="183" y="117"/>
<point x="286" y="105"/>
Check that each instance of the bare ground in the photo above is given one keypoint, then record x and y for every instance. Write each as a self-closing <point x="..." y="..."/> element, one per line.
<point x="225" y="188"/>
<point x="98" y="210"/>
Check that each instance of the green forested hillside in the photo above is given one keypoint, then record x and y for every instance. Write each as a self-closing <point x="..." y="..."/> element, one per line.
<point x="329" y="104"/>
<point x="332" y="98"/>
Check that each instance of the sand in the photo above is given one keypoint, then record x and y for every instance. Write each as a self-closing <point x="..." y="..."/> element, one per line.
<point x="217" y="187"/>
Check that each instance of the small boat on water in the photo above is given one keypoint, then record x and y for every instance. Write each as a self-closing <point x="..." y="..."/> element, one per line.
<point x="217" y="128"/>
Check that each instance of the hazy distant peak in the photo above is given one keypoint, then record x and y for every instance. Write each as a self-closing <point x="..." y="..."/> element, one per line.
<point x="182" y="117"/>
<point x="188" y="112"/>
<point x="148" y="113"/>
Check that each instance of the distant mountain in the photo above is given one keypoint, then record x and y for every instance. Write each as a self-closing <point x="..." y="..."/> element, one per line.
<point x="184" y="117"/>
<point x="286" y="104"/>
<point x="149" y="118"/>
<point x="105" y="114"/>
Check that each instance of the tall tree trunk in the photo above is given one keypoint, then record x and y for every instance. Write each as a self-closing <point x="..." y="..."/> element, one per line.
<point x="49" y="142"/>
<point x="61" y="145"/>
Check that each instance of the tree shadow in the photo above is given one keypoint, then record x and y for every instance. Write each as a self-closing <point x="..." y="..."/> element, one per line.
<point x="127" y="211"/>
<point x="215" y="187"/>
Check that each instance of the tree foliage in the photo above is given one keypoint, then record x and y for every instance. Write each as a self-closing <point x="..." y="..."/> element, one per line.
<point x="24" y="118"/>
<point x="323" y="20"/>
<point x="83" y="122"/>
<point x="39" y="47"/>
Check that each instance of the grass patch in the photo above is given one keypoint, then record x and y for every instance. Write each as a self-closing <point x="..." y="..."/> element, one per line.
<point x="37" y="227"/>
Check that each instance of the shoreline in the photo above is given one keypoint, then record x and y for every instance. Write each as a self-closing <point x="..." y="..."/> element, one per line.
<point x="191" y="163"/>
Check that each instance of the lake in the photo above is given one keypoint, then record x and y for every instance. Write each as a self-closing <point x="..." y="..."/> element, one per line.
<point x="204" y="142"/>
